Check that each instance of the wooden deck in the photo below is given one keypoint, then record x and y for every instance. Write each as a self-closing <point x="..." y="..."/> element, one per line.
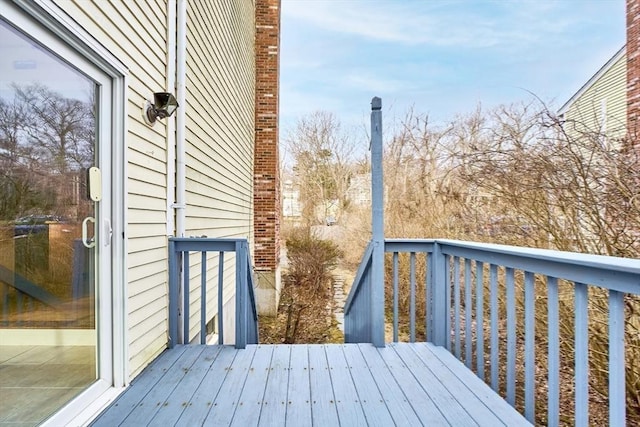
<point x="303" y="385"/>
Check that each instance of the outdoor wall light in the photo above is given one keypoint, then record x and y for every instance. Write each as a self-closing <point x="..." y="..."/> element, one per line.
<point x="164" y="105"/>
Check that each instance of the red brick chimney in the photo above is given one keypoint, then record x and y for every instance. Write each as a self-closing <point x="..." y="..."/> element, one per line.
<point x="266" y="180"/>
<point x="633" y="71"/>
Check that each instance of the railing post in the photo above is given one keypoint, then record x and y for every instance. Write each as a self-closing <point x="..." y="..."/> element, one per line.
<point x="377" y="224"/>
<point x="241" y="295"/>
<point x="439" y="286"/>
<point x="173" y="294"/>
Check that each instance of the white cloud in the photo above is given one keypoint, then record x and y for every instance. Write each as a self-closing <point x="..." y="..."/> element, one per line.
<point x="451" y="23"/>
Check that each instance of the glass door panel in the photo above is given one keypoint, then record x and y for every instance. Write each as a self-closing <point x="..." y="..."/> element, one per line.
<point x="48" y="272"/>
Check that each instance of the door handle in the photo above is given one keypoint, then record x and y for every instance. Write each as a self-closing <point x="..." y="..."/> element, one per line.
<point x="86" y="241"/>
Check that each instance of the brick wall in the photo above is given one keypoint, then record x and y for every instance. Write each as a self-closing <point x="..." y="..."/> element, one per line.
<point x="266" y="157"/>
<point x="633" y="71"/>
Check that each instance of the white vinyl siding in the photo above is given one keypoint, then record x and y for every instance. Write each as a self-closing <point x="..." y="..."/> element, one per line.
<point x="220" y="140"/>
<point x="220" y="120"/>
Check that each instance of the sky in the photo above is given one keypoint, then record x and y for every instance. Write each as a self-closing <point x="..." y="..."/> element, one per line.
<point x="439" y="57"/>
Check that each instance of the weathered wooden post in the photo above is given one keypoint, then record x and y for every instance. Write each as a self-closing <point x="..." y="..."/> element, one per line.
<point x="377" y="225"/>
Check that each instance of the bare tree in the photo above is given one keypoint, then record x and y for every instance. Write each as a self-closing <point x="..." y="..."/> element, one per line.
<point x="62" y="129"/>
<point x="323" y="154"/>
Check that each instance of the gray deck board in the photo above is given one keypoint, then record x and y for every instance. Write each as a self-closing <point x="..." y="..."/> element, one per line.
<point x="274" y="407"/>
<point x="472" y="405"/>
<point x="201" y="402"/>
<point x="304" y="385"/>
<point x="323" y="405"/>
<point x="228" y="397"/>
<point x="422" y="404"/>
<point x="446" y="403"/>
<point x="159" y="394"/>
<point x="483" y="392"/>
<point x="399" y="407"/>
<point x="299" y="392"/>
<point x="176" y="403"/>
<point x="373" y="403"/>
<point x="139" y="388"/>
<point x="348" y="403"/>
<point x="248" y="409"/>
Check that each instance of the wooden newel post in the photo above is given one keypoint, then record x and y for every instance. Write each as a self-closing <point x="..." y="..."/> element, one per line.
<point x="377" y="225"/>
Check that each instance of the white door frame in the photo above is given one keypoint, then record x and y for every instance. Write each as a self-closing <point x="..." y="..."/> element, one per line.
<point x="40" y="19"/>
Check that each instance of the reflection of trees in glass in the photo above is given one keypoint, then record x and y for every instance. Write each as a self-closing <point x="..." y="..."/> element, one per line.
<point x="46" y="141"/>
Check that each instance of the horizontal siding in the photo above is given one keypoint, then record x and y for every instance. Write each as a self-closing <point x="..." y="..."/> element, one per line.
<point x="585" y="114"/>
<point x="220" y="127"/>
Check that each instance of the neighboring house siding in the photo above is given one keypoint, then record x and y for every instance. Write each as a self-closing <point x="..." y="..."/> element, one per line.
<point x="600" y="106"/>
<point x="220" y="135"/>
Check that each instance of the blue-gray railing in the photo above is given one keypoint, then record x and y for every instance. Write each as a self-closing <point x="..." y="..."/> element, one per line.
<point x="246" y="319"/>
<point x="462" y="303"/>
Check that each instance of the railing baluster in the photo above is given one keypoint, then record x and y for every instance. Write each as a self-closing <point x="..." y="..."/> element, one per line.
<point x="480" y="318"/>
<point x="428" y="299"/>
<point x="456" y="303"/>
<point x="554" y="353"/>
<point x="186" y="298"/>
<point x="493" y="281"/>
<point x="203" y="298"/>
<point x="395" y="297"/>
<point x="529" y="347"/>
<point x="220" y="298"/>
<point x="617" y="411"/>
<point x="447" y="297"/>
<point x="467" y="314"/>
<point x="412" y="297"/>
<point x="511" y="336"/>
<point x="581" y="354"/>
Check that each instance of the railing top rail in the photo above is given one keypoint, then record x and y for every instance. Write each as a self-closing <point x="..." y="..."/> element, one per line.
<point x="629" y="265"/>
<point x="197" y="244"/>
<point x="622" y="274"/>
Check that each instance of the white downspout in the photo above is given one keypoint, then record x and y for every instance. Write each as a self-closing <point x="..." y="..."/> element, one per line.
<point x="180" y="205"/>
<point x="171" y="123"/>
<point x="181" y="50"/>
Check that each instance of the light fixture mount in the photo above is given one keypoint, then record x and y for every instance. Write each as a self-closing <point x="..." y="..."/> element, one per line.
<point x="164" y="105"/>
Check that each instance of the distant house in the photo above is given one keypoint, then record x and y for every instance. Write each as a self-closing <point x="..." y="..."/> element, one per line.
<point x="291" y="206"/>
<point x="359" y="191"/>
<point x="600" y="105"/>
<point x="84" y="297"/>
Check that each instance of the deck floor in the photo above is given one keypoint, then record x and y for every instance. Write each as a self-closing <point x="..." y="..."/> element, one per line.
<point x="303" y="385"/>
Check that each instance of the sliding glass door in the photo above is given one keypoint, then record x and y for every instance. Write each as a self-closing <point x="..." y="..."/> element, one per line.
<point x="55" y="115"/>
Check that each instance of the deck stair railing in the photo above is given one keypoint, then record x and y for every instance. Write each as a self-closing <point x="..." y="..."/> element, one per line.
<point x="481" y="302"/>
<point x="180" y="304"/>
